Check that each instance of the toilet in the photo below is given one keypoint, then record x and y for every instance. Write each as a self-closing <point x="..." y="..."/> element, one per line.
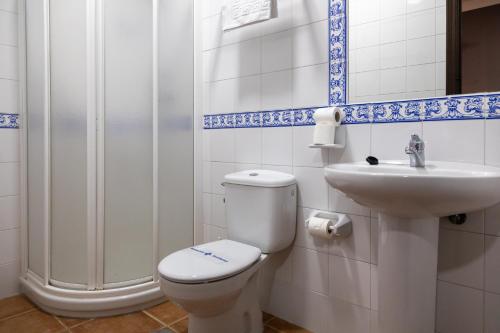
<point x="217" y="282"/>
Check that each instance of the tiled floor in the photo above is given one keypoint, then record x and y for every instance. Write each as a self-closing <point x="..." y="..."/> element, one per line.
<point x="19" y="315"/>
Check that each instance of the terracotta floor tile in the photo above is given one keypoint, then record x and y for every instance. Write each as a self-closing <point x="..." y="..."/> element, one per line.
<point x="72" y="322"/>
<point x="164" y="330"/>
<point x="136" y="322"/>
<point x="14" y="305"/>
<point x="21" y="316"/>
<point x="285" y="327"/>
<point x="167" y="312"/>
<point x="180" y="326"/>
<point x="266" y="317"/>
<point x="34" y="321"/>
<point x="268" y="329"/>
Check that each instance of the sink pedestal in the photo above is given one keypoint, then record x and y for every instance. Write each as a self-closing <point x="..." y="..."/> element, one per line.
<point x="407" y="273"/>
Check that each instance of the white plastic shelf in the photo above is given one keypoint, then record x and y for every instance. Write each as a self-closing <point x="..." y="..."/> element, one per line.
<point x="340" y="139"/>
<point x="330" y="146"/>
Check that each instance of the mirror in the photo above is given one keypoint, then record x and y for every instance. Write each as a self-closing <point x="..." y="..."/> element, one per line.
<point x="397" y="49"/>
<point x="473" y="47"/>
<point x="413" y="49"/>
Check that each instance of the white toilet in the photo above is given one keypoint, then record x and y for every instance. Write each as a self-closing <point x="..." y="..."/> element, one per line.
<point x="216" y="283"/>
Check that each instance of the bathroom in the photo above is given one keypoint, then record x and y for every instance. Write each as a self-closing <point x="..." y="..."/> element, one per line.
<point x="143" y="143"/>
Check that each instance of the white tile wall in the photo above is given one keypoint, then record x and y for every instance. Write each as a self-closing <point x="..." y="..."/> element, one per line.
<point x="461" y="258"/>
<point x="350" y="281"/>
<point x="459" y="309"/>
<point x="9" y="153"/>
<point x="492" y="309"/>
<point x="288" y="57"/>
<point x="462" y="141"/>
<point x="330" y="286"/>
<point x="396" y="49"/>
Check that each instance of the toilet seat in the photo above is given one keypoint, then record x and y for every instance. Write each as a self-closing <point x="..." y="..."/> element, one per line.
<point x="208" y="262"/>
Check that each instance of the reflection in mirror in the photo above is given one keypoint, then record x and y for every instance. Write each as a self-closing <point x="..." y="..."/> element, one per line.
<point x="473" y="46"/>
<point x="397" y="49"/>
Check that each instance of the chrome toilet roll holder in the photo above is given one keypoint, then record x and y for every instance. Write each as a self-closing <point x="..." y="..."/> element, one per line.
<point x="342" y="224"/>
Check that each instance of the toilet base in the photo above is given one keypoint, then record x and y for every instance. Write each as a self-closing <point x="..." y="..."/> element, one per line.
<point x="244" y="316"/>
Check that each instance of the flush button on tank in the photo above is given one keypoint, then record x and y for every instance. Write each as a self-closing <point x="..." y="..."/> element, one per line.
<point x="253" y="174"/>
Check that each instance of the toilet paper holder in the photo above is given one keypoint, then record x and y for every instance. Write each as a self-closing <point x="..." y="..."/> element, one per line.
<point x="342" y="223"/>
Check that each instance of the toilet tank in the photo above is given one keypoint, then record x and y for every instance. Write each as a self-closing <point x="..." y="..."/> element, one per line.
<point x="261" y="208"/>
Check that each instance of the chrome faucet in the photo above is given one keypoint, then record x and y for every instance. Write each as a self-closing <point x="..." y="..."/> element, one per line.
<point x="416" y="150"/>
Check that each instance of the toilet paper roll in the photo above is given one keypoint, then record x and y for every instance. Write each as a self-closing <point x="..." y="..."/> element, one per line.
<point x="320" y="227"/>
<point x="331" y="116"/>
<point x="324" y="134"/>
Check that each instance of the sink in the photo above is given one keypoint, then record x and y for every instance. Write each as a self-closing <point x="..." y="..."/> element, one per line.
<point x="409" y="202"/>
<point x="439" y="189"/>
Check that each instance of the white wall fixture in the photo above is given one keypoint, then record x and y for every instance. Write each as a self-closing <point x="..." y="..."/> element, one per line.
<point x="410" y="201"/>
<point x="328" y="225"/>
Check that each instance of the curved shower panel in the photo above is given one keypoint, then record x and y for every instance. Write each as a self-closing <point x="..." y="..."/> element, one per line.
<point x="108" y="188"/>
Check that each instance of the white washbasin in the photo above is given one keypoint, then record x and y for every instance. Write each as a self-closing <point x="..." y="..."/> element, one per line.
<point x="439" y="189"/>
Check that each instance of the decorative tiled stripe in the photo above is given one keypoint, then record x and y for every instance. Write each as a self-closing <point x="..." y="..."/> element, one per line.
<point x="337" y="40"/>
<point x="462" y="107"/>
<point x="9" y="120"/>
<point x="494" y="106"/>
<point x="275" y="118"/>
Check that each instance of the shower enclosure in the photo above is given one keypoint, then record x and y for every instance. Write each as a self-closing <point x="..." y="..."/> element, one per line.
<point x="108" y="150"/>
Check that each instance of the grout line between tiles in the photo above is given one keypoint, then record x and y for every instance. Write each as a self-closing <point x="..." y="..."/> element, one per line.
<point x="269" y="319"/>
<point x="80" y="324"/>
<point x="8" y="229"/>
<point x="9" y="11"/>
<point x="270" y="72"/>
<point x="9" y="79"/>
<point x="290" y="30"/>
<point x="466" y="286"/>
<point x="178" y="320"/>
<point x="271" y="328"/>
<point x="447" y="228"/>
<point x="17" y="315"/>
<point x="154" y="318"/>
<point x="65" y="328"/>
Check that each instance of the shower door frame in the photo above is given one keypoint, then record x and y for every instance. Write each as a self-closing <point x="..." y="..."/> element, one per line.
<point x="95" y="300"/>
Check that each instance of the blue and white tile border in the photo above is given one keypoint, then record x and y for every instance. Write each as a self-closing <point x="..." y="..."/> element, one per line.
<point x="9" y="120"/>
<point x="460" y="107"/>
<point x="337" y="58"/>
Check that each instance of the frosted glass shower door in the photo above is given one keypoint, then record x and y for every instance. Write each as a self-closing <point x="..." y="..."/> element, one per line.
<point x="68" y="126"/>
<point x="128" y="141"/>
<point x="175" y="125"/>
<point x="37" y="133"/>
<point x="109" y="136"/>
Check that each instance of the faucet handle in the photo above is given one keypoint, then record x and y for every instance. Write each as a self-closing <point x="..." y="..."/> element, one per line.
<point x="415" y="137"/>
<point x="416" y="143"/>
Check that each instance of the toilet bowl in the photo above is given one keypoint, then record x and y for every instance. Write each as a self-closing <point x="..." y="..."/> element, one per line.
<point x="217" y="282"/>
<point x="219" y="299"/>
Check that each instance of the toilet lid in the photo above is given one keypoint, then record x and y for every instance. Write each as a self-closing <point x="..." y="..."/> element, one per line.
<point x="208" y="262"/>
